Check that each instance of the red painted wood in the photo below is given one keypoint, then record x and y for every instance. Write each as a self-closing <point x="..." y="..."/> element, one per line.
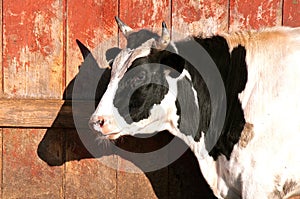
<point x="291" y="13"/>
<point x="1" y="161"/>
<point x="24" y="173"/>
<point x="89" y="178"/>
<point x="147" y="14"/>
<point x="199" y="17"/>
<point x="254" y="14"/>
<point x="1" y="44"/>
<point x="33" y="48"/>
<point x="93" y="23"/>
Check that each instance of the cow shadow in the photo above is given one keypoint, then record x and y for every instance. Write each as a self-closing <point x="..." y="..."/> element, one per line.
<point x="68" y="137"/>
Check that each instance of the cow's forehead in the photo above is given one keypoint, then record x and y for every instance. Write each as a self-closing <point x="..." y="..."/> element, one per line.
<point x="127" y="56"/>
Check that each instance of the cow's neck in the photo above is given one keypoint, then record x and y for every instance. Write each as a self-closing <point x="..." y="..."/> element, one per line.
<point x="206" y="162"/>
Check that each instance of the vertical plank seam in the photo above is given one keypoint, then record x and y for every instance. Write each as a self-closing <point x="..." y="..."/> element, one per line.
<point x="64" y="82"/>
<point x="2" y="163"/>
<point x="229" y="15"/>
<point x="65" y="33"/>
<point x="282" y="12"/>
<point x="64" y="151"/>
<point x="171" y="17"/>
<point x="2" y="47"/>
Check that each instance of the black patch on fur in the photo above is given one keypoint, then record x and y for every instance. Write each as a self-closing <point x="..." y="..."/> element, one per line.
<point x="139" y="90"/>
<point x="233" y="70"/>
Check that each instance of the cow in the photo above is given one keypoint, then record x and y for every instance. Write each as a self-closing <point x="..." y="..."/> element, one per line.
<point x="154" y="86"/>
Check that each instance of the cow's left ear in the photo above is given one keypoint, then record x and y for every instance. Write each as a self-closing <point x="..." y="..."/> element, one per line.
<point x="174" y="61"/>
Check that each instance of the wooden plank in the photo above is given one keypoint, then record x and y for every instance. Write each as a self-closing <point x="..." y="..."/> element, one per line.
<point x="99" y="34"/>
<point x="1" y="44"/>
<point x="291" y="13"/>
<point x="44" y="113"/>
<point x="199" y="17"/>
<point x="90" y="177"/>
<point x="25" y="175"/>
<point x="146" y="14"/>
<point x="33" y="48"/>
<point x="254" y="14"/>
<point x="32" y="113"/>
<point x="1" y="161"/>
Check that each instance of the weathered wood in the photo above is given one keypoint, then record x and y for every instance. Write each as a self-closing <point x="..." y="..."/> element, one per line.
<point x="1" y="44"/>
<point x="44" y="113"/>
<point x="254" y="14"/>
<point x="25" y="175"/>
<point x="90" y="179"/>
<point x="33" y="48"/>
<point x="32" y="113"/>
<point x="199" y="17"/>
<point x="291" y="13"/>
<point x="93" y="23"/>
<point x="1" y="161"/>
<point x="145" y="14"/>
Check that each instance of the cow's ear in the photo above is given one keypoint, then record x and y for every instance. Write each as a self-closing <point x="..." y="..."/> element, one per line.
<point x="174" y="61"/>
<point x="83" y="49"/>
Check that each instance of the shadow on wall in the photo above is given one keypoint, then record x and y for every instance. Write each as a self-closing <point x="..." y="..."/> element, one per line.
<point x="63" y="143"/>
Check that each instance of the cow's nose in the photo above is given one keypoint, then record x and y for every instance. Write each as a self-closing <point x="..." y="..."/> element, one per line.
<point x="103" y="124"/>
<point x="100" y="120"/>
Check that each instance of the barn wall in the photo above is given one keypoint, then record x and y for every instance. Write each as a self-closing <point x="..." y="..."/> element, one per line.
<point x="41" y="155"/>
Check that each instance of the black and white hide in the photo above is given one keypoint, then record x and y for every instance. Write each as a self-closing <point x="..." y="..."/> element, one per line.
<point x="154" y="88"/>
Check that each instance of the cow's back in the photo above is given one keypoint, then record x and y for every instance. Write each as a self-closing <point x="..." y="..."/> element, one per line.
<point x="265" y="159"/>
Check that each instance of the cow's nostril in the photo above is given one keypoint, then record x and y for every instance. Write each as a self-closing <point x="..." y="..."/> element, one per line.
<point x="100" y="122"/>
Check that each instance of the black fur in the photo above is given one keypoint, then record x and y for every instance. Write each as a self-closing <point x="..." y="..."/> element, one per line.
<point x="233" y="70"/>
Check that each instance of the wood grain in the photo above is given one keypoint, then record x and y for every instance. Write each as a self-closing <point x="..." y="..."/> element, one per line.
<point x="1" y="44"/>
<point x="25" y="175"/>
<point x="33" y="48"/>
<point x="254" y="14"/>
<point x="146" y="14"/>
<point x="43" y="113"/>
<point x="90" y="179"/>
<point x="199" y="17"/>
<point x="93" y="23"/>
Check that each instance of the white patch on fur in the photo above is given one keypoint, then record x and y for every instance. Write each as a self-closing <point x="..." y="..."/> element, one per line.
<point x="188" y="75"/>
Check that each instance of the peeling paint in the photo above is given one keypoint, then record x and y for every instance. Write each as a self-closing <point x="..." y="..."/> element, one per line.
<point x="254" y="14"/>
<point x="31" y="53"/>
<point x="291" y="11"/>
<point x="201" y="18"/>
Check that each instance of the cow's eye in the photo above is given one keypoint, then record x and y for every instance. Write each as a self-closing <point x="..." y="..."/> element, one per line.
<point x="141" y="76"/>
<point x="138" y="79"/>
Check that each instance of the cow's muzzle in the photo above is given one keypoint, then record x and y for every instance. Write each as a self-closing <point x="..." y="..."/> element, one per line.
<point x="106" y="125"/>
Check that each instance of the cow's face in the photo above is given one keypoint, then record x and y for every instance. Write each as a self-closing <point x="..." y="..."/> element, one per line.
<point x="141" y="95"/>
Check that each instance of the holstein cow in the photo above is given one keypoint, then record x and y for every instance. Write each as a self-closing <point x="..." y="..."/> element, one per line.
<point x="255" y="154"/>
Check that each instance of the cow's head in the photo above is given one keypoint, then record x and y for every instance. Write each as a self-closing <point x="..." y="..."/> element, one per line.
<point x="142" y="96"/>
